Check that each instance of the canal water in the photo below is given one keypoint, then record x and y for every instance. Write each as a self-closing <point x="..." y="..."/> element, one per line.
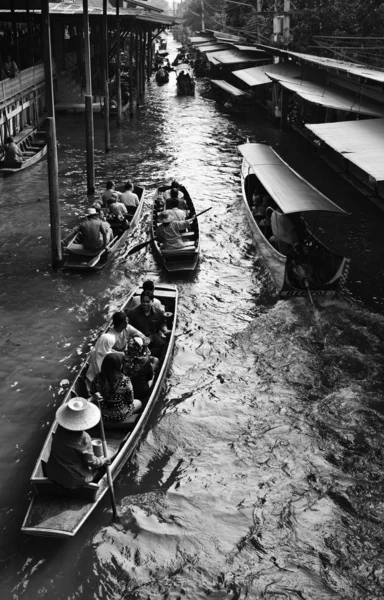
<point x="260" y="471"/>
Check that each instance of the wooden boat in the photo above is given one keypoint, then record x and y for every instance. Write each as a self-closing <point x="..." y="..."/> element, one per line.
<point x="77" y="258"/>
<point x="312" y="268"/>
<point x="162" y="76"/>
<point x="34" y="147"/>
<point x="185" y="85"/>
<point x="184" y="259"/>
<point x="124" y="104"/>
<point x="57" y="512"/>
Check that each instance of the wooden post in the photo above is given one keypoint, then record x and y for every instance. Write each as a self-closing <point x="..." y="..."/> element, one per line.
<point x="150" y="58"/>
<point x="53" y="171"/>
<point x="143" y="54"/>
<point x="137" y="69"/>
<point x="284" y="108"/>
<point x="53" y="179"/>
<point x="107" y="134"/>
<point x="118" y="81"/>
<point x="88" y="105"/>
<point x="258" y="28"/>
<point x="131" y="48"/>
<point x="287" y="22"/>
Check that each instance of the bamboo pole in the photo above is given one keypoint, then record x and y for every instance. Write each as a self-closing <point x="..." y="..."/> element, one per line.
<point x="107" y="133"/>
<point x="88" y="105"/>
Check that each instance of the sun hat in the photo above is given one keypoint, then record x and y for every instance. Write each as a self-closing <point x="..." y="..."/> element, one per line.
<point x="78" y="414"/>
<point x="165" y="217"/>
<point x="91" y="211"/>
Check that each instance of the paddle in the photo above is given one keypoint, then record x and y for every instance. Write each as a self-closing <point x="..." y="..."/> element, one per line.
<point x="107" y="467"/>
<point x="143" y="244"/>
<point x="95" y="260"/>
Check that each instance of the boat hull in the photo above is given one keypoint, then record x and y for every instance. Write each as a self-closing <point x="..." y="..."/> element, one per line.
<point x="34" y="146"/>
<point x="53" y="512"/>
<point x="183" y="260"/>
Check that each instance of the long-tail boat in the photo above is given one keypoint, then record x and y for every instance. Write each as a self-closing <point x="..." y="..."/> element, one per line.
<point x="55" y="511"/>
<point x="294" y="206"/>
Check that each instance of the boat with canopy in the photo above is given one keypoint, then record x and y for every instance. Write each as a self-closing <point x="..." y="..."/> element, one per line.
<point x="283" y="210"/>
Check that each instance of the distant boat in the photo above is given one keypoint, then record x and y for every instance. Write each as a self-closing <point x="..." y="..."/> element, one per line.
<point x="185" y="82"/>
<point x="312" y="268"/>
<point x="55" y="511"/>
<point x="162" y="76"/>
<point x="179" y="259"/>
<point x="33" y="145"/>
<point x="78" y="259"/>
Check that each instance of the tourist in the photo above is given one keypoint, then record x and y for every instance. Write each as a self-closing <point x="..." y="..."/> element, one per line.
<point x="95" y="234"/>
<point x="116" y="389"/>
<point x="176" y="213"/>
<point x="71" y="462"/>
<point x="109" y="194"/>
<point x="123" y="332"/>
<point x="150" y="320"/>
<point x="149" y="286"/>
<point x="128" y="197"/>
<point x="103" y="346"/>
<point x="168" y="232"/>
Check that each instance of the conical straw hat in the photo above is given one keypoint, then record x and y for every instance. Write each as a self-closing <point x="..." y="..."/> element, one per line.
<point x="78" y="414"/>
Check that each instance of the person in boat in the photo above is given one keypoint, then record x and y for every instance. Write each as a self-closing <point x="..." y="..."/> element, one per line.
<point x="162" y="73"/>
<point x="149" y="286"/>
<point x="103" y="346"/>
<point x="10" y="68"/>
<point x="95" y="234"/>
<point x="169" y="231"/>
<point x="122" y="331"/>
<point x="284" y="236"/>
<point x="176" y="213"/>
<point x="12" y="152"/>
<point x="128" y="197"/>
<point x="174" y="186"/>
<point x="72" y="462"/>
<point x="116" y="389"/>
<point x="109" y="194"/>
<point x="138" y="367"/>
<point x="150" y="320"/>
<point x="167" y="65"/>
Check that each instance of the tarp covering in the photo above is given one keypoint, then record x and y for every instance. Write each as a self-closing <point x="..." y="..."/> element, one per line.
<point x="330" y="97"/>
<point x="361" y="142"/>
<point x="290" y="191"/>
<point x="258" y="75"/>
<point x="231" y="89"/>
<point x="232" y="56"/>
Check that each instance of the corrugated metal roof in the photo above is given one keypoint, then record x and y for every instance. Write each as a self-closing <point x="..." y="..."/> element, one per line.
<point x="228" y="57"/>
<point x="291" y="192"/>
<point x="245" y="48"/>
<point x="231" y="89"/>
<point x="212" y="47"/>
<point x="360" y="142"/>
<point x="341" y="65"/>
<point x="330" y="97"/>
<point x="199" y="39"/>
<point x="258" y="75"/>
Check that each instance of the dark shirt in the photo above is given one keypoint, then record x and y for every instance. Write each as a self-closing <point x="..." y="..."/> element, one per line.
<point x="147" y="324"/>
<point x="72" y="463"/>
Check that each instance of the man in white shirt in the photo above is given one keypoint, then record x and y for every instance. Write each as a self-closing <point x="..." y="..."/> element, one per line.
<point x="128" y="197"/>
<point x="110" y="194"/>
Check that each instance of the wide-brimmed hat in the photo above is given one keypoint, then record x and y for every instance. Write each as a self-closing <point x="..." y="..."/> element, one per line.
<point x="90" y="211"/>
<point x="78" y="414"/>
<point x="165" y="217"/>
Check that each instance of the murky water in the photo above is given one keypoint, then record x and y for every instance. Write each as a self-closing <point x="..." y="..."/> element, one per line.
<point x="260" y="472"/>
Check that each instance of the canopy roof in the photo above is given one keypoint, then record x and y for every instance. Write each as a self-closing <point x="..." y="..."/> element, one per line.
<point x="231" y="89"/>
<point x="212" y="47"/>
<point x="232" y="56"/>
<point x="361" y="142"/>
<point x="291" y="192"/>
<point x="330" y="97"/>
<point x="341" y="65"/>
<point x="202" y="39"/>
<point x="259" y="75"/>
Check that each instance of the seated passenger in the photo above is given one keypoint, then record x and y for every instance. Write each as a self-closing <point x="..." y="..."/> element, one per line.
<point x="109" y="194"/>
<point x="169" y="232"/>
<point x="72" y="462"/>
<point x="174" y="186"/>
<point x="116" y="389"/>
<point x="176" y="213"/>
<point x="12" y="151"/>
<point x="149" y="286"/>
<point x="174" y="195"/>
<point x="283" y="233"/>
<point x="95" y="233"/>
<point x="103" y="346"/>
<point x="123" y="332"/>
<point x="137" y="365"/>
<point x="151" y="322"/>
<point x="128" y="197"/>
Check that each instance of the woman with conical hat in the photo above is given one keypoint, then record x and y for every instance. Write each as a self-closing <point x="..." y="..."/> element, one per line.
<point x="72" y="462"/>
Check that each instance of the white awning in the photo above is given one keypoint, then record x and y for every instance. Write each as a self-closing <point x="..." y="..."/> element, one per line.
<point x="330" y="97"/>
<point x="259" y="75"/>
<point x="231" y="89"/>
<point x="212" y="47"/>
<point x="228" y="57"/>
<point x="360" y="142"/>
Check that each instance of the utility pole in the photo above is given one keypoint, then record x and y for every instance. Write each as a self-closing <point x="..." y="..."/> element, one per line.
<point x="286" y="22"/>
<point x="202" y="16"/>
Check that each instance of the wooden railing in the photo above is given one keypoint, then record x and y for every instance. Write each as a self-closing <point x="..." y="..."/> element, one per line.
<point x="26" y="79"/>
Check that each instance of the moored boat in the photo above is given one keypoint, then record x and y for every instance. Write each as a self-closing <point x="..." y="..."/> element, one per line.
<point x="33" y="144"/>
<point x="58" y="512"/>
<point x="162" y="76"/>
<point x="77" y="258"/>
<point x="297" y="260"/>
<point x="179" y="259"/>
